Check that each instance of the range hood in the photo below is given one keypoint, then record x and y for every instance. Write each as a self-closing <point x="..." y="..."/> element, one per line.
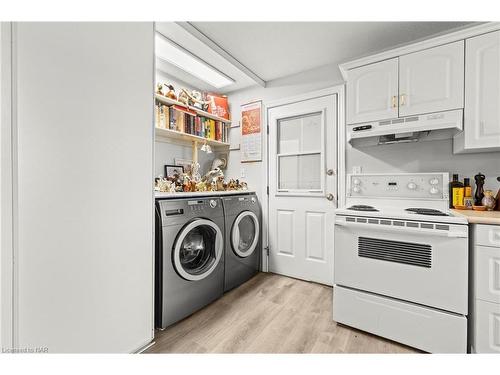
<point x="431" y="126"/>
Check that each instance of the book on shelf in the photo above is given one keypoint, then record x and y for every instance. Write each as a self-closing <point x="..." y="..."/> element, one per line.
<point x="184" y="120"/>
<point x="218" y="105"/>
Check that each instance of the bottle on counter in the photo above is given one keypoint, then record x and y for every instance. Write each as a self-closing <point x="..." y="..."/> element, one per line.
<point x="456" y="192"/>
<point x="468" y="200"/>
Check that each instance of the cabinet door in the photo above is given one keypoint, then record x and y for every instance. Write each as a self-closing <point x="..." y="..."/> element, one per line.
<point x="487" y="273"/>
<point x="372" y="92"/>
<point x="432" y="80"/>
<point x="486" y="335"/>
<point x="482" y="93"/>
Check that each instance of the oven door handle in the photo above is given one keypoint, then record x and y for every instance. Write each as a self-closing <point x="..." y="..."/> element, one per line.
<point x="393" y="229"/>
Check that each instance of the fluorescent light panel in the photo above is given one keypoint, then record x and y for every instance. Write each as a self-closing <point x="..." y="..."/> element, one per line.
<point x="176" y="55"/>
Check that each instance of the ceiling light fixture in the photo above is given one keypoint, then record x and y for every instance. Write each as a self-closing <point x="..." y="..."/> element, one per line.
<point x="172" y="53"/>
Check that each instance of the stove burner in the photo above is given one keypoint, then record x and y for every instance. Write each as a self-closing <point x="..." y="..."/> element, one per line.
<point x="362" y="207"/>
<point x="426" y="211"/>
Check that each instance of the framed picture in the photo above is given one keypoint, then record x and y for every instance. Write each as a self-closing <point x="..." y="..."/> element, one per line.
<point x="185" y="164"/>
<point x="171" y="170"/>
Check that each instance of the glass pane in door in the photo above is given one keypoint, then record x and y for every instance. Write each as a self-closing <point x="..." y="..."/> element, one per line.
<point x="299" y="172"/>
<point x="299" y="134"/>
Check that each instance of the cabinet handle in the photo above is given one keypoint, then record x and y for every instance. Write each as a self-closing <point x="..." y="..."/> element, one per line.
<point x="394" y="101"/>
<point x="402" y="100"/>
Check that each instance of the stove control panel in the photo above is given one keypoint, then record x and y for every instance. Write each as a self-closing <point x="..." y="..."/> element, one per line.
<point x="401" y="185"/>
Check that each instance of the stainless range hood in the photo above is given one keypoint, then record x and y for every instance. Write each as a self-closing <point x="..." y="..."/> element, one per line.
<point x="431" y="126"/>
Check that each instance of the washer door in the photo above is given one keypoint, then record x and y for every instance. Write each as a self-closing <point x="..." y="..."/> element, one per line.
<point x="245" y="234"/>
<point x="198" y="249"/>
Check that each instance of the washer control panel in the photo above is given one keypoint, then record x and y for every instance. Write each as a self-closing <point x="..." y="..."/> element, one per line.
<point x="402" y="185"/>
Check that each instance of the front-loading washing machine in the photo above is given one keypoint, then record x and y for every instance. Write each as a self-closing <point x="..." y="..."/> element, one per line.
<point x="189" y="257"/>
<point x="243" y="239"/>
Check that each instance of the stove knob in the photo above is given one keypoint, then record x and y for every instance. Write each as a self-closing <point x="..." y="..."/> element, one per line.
<point x="356" y="181"/>
<point x="434" y="181"/>
<point x="411" y="185"/>
<point x="356" y="189"/>
<point x="213" y="203"/>
<point x="434" y="190"/>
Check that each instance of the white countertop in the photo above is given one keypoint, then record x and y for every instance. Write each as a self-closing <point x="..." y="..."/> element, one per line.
<point x="159" y="195"/>
<point x="480" y="217"/>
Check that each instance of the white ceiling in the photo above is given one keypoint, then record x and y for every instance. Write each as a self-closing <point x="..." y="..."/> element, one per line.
<point x="277" y="49"/>
<point x="179" y="35"/>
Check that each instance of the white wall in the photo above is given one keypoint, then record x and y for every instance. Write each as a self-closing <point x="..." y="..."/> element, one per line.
<point x="83" y="199"/>
<point x="427" y="156"/>
<point x="6" y="261"/>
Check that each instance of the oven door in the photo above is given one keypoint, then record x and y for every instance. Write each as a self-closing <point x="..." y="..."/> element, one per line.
<point x="424" y="263"/>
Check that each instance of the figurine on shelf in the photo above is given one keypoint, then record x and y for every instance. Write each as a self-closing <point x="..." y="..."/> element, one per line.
<point x="231" y="185"/>
<point x="213" y="174"/>
<point x="159" y="89"/>
<point x="193" y="98"/>
<point x="164" y="185"/>
<point x="183" y="97"/>
<point x="201" y="186"/>
<point x="171" y="93"/>
<point x="195" y="172"/>
<point x="220" y="183"/>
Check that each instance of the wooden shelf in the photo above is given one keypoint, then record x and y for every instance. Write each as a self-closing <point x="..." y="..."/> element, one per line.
<point x="169" y="134"/>
<point x="198" y="111"/>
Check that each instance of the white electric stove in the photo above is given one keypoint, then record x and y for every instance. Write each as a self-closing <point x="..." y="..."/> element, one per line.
<point x="401" y="261"/>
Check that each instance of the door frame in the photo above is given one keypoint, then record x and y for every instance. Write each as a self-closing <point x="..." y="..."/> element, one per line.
<point x="338" y="90"/>
<point x="7" y="188"/>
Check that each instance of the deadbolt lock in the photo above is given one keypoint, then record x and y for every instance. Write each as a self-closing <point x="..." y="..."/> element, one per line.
<point x="330" y="172"/>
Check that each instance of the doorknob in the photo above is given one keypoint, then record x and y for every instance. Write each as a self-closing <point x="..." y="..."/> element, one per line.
<point x="330" y="197"/>
<point x="330" y="172"/>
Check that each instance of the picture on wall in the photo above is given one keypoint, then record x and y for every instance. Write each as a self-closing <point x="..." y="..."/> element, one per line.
<point x="186" y="164"/>
<point x="251" y="132"/>
<point x="172" y="170"/>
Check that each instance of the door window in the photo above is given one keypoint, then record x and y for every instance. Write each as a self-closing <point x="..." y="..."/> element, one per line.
<point x="300" y="152"/>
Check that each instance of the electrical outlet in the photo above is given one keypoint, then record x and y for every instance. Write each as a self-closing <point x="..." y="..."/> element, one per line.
<point x="242" y="172"/>
<point x="356" y="169"/>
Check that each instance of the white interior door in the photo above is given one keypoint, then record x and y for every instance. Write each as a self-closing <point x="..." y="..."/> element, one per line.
<point x="302" y="188"/>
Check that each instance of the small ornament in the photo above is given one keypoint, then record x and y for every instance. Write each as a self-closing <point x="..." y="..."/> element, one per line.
<point x="171" y="93"/>
<point x="489" y="200"/>
<point x="159" y="89"/>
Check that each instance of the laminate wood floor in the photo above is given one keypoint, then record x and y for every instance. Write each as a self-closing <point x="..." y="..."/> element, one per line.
<point x="270" y="314"/>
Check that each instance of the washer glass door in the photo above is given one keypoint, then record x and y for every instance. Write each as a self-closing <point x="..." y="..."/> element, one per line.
<point x="198" y="249"/>
<point x="245" y="234"/>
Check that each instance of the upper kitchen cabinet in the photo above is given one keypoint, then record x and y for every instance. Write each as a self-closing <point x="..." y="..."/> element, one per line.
<point x="372" y="92"/>
<point x="426" y="81"/>
<point x="432" y="80"/>
<point x="482" y="96"/>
